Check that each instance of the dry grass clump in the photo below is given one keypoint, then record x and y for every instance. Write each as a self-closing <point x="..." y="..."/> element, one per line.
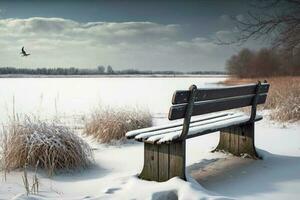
<point x="54" y="147"/>
<point x="283" y="97"/>
<point x="107" y="124"/>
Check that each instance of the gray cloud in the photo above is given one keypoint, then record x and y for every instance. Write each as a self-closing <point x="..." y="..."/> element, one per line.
<point x="60" y="42"/>
<point x="1" y="13"/>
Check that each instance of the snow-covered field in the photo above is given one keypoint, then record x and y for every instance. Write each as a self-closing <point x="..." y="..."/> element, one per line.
<point x="76" y="96"/>
<point x="212" y="175"/>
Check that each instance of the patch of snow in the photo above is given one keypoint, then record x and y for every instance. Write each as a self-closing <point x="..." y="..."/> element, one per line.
<point x="166" y="135"/>
<point x="114" y="177"/>
<point x="135" y="188"/>
<point x="177" y="125"/>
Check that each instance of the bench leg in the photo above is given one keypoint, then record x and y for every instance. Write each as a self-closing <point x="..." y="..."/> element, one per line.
<point x="163" y="161"/>
<point x="238" y="140"/>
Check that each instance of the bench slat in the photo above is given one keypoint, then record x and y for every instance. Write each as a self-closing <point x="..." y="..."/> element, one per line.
<point x="133" y="133"/>
<point x="204" y="94"/>
<point x="203" y="107"/>
<point x="200" y="130"/>
<point x="144" y="136"/>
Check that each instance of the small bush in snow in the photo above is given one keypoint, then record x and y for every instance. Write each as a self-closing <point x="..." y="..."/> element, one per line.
<point x="54" y="147"/>
<point x="107" y="124"/>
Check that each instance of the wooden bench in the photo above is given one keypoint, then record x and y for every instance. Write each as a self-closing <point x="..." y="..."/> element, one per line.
<point x="164" y="146"/>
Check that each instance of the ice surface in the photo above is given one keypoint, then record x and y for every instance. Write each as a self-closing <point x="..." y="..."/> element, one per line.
<point x="74" y="96"/>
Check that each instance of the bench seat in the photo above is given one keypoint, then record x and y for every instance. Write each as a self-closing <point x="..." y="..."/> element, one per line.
<point x="199" y="126"/>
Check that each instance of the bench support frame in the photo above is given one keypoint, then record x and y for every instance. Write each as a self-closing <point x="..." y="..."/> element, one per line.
<point x="238" y="140"/>
<point x="164" y="161"/>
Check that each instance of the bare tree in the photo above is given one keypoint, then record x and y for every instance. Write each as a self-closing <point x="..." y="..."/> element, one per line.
<point x="109" y="70"/>
<point x="240" y="64"/>
<point x="275" y="20"/>
<point x="262" y="63"/>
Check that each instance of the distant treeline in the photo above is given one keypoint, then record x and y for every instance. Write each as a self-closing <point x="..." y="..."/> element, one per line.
<point x="100" y="70"/>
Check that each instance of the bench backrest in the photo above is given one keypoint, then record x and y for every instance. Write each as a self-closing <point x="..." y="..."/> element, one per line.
<point x="187" y="103"/>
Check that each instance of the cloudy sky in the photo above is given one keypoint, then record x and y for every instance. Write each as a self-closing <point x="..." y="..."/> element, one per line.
<point x="156" y="35"/>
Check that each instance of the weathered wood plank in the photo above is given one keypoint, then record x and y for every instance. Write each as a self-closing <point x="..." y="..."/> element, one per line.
<point x="133" y="133"/>
<point x="254" y="102"/>
<point x="227" y="138"/>
<point x="150" y="169"/>
<point x="204" y="94"/>
<point x="178" y="111"/>
<point x="234" y="143"/>
<point x="163" y="162"/>
<point x="201" y="129"/>
<point x="247" y="143"/>
<point x="177" y="159"/>
<point x="222" y="141"/>
<point x="188" y="113"/>
<point x="238" y="140"/>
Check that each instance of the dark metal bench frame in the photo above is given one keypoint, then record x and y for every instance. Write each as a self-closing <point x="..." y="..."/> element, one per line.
<point x="167" y="160"/>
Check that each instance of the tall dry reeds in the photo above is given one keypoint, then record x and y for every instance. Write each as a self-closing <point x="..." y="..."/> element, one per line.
<point x="109" y="124"/>
<point x="283" y="98"/>
<point x="54" y="147"/>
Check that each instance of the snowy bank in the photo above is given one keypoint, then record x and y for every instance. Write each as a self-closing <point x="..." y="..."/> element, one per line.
<point x="222" y="176"/>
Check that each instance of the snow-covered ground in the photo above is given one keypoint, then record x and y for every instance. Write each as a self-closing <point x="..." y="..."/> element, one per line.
<point x="211" y="175"/>
<point x="220" y="176"/>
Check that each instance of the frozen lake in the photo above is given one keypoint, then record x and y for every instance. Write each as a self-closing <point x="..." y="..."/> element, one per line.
<point x="276" y="176"/>
<point x="47" y="97"/>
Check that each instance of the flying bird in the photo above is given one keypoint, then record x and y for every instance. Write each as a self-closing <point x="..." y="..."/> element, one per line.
<point x="23" y="52"/>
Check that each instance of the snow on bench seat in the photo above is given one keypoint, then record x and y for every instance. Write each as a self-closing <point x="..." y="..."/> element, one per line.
<point x="133" y="133"/>
<point x="167" y="133"/>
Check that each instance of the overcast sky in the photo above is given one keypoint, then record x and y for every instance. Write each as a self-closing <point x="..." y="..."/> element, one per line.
<point x="156" y="35"/>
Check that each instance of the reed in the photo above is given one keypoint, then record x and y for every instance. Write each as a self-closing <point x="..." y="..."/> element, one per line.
<point x="54" y="147"/>
<point x="107" y="124"/>
<point x="283" y="98"/>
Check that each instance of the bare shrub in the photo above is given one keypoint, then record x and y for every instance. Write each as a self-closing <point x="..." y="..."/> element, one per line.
<point x="240" y="64"/>
<point x="283" y="98"/>
<point x="54" y="147"/>
<point x="262" y="63"/>
<point x="108" y="124"/>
